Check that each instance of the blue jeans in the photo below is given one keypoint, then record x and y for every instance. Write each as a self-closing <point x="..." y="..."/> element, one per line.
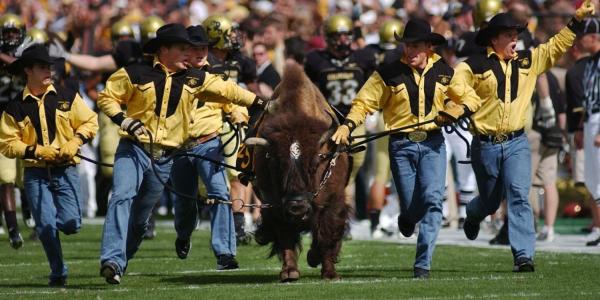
<point x="503" y="171"/>
<point x="419" y="171"/>
<point x="136" y="190"/>
<point x="186" y="171"/>
<point x="56" y="205"/>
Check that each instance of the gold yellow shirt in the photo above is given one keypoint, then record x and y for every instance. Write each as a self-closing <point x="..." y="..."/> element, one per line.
<point x="499" y="92"/>
<point x="406" y="96"/>
<point x="51" y="120"/>
<point x="165" y="101"/>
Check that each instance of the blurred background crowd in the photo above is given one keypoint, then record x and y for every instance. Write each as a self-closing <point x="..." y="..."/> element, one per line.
<point x="280" y="30"/>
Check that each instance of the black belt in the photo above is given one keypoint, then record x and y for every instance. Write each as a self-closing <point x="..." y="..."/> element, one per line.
<point x="417" y="136"/>
<point x="501" y="137"/>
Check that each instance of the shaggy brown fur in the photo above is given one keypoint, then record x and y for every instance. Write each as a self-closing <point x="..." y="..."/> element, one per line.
<point x="300" y="118"/>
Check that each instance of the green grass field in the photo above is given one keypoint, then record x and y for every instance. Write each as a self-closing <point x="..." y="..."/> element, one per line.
<point x="370" y="270"/>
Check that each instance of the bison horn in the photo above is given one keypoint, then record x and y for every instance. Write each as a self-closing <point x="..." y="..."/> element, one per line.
<point x="272" y="106"/>
<point x="332" y="128"/>
<point x="256" y="141"/>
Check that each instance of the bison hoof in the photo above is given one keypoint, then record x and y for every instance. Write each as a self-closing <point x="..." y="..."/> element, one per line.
<point x="289" y="275"/>
<point x="331" y="276"/>
<point x="313" y="258"/>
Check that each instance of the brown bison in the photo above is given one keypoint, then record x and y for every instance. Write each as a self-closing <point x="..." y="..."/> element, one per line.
<point x="299" y="177"/>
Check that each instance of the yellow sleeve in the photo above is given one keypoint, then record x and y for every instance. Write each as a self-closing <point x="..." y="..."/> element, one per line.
<point x="118" y="91"/>
<point x="461" y="88"/>
<point x="371" y="97"/>
<point x="11" y="140"/>
<point x="85" y="121"/>
<point x="215" y="89"/>
<point x="544" y="56"/>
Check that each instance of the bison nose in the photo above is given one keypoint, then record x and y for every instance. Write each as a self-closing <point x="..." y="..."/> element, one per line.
<point x="297" y="205"/>
<point x="297" y="208"/>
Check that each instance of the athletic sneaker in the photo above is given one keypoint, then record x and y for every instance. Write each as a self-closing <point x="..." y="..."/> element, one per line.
<point x="471" y="229"/>
<point x="30" y="223"/>
<point x="594" y="235"/>
<point x="523" y="264"/>
<point x="182" y="247"/>
<point x="15" y="238"/>
<point x="420" y="273"/>
<point x="110" y="272"/>
<point x="57" y="282"/>
<point x="381" y="233"/>
<point x="162" y="211"/>
<point x="546" y="235"/>
<point x="226" y="262"/>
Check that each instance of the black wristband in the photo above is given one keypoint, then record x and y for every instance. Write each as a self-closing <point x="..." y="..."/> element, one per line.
<point x="351" y="125"/>
<point x="576" y="26"/>
<point x="118" y="118"/>
<point x="30" y="152"/>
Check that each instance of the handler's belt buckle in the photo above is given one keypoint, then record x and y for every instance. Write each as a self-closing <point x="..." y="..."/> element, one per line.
<point x="500" y="138"/>
<point x="156" y="153"/>
<point x="417" y="136"/>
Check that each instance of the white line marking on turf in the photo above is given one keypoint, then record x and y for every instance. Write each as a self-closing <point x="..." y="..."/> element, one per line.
<point x="387" y="280"/>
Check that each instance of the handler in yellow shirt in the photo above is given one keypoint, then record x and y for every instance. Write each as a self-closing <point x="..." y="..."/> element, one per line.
<point x="45" y="125"/>
<point x="409" y="92"/>
<point x="494" y="89"/>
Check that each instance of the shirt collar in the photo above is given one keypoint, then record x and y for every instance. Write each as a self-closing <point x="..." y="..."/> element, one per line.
<point x="28" y="93"/>
<point x="433" y="58"/>
<point x="157" y="64"/>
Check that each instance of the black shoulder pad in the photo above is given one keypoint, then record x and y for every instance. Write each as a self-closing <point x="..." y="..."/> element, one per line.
<point x="524" y="59"/>
<point x="135" y="71"/>
<point x="14" y="108"/>
<point x="394" y="73"/>
<point x="478" y="63"/>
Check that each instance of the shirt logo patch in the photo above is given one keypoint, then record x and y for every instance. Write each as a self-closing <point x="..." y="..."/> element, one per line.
<point x="192" y="82"/>
<point x="525" y="63"/>
<point x="444" y="79"/>
<point x="63" y="105"/>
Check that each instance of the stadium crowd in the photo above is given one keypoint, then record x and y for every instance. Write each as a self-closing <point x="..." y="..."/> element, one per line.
<point x="146" y="58"/>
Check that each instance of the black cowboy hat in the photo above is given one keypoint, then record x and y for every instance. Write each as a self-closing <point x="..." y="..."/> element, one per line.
<point x="418" y="30"/>
<point x="198" y="35"/>
<point x="499" y="23"/>
<point x="36" y="54"/>
<point x="168" y="34"/>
